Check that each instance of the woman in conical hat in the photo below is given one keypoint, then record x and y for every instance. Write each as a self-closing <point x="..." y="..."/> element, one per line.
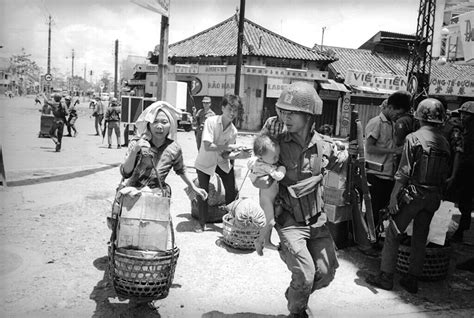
<point x="155" y="145"/>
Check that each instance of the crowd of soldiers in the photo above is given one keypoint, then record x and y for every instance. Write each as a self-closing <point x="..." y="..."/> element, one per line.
<point x="64" y="113"/>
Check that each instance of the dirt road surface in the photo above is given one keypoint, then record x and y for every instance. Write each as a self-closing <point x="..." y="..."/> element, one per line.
<point x="54" y="238"/>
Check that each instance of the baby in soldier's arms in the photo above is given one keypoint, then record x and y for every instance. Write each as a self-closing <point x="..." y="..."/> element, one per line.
<point x="267" y="152"/>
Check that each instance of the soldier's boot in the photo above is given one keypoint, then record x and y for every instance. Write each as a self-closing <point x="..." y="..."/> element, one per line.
<point x="382" y="280"/>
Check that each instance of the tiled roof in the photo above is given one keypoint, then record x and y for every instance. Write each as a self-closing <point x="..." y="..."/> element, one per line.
<point x="452" y="71"/>
<point x="221" y="40"/>
<point x="366" y="60"/>
<point x="356" y="59"/>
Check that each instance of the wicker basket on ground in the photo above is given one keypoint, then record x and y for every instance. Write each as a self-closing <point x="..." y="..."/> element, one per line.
<point x="436" y="263"/>
<point x="142" y="275"/>
<point x="239" y="237"/>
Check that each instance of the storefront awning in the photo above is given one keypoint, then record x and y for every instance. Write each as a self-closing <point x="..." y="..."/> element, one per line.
<point x="332" y="85"/>
<point x="373" y="90"/>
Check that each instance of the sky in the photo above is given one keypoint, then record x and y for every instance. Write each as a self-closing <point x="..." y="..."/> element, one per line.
<point x="90" y="27"/>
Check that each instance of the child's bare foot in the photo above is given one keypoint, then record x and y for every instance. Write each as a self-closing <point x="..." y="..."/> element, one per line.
<point x="259" y="244"/>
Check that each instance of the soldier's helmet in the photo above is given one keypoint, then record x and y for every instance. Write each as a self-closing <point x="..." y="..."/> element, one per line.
<point x="68" y="97"/>
<point x="431" y="110"/>
<point x="467" y="107"/>
<point x="57" y="98"/>
<point x="300" y="97"/>
<point x="113" y="101"/>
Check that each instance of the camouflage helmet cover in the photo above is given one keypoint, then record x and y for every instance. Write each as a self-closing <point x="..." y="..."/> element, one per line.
<point x="467" y="107"/>
<point x="300" y="97"/>
<point x="431" y="110"/>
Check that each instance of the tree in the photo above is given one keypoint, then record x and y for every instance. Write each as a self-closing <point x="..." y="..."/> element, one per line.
<point x="25" y="70"/>
<point x="106" y="79"/>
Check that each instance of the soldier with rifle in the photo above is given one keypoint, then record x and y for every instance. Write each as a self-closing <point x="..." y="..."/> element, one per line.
<point x="59" y="113"/>
<point x="423" y="170"/>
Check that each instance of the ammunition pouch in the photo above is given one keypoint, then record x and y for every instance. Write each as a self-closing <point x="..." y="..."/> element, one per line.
<point x="432" y="168"/>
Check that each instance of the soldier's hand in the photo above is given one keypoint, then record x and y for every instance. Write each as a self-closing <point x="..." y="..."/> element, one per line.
<point x="393" y="206"/>
<point x="398" y="151"/>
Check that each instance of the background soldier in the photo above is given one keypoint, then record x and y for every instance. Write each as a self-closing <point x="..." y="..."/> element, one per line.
<point x="71" y="121"/>
<point x="201" y="116"/>
<point x="59" y="113"/>
<point x="112" y="118"/>
<point x="423" y="170"/>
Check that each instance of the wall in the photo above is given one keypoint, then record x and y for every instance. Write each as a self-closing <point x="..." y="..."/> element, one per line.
<point x="253" y="101"/>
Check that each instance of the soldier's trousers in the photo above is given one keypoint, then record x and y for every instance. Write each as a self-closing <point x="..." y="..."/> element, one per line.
<point x="56" y="132"/>
<point x="309" y="253"/>
<point x="421" y="211"/>
<point x="465" y="186"/>
<point x="113" y="126"/>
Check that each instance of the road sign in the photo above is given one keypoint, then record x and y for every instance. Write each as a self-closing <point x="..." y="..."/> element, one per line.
<point x="48" y="77"/>
<point x="412" y="86"/>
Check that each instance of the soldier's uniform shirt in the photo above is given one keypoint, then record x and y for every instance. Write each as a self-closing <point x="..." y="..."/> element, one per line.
<point x="422" y="208"/>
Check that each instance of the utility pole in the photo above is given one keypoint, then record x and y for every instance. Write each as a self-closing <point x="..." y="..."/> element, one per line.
<point x="322" y="38"/>
<point x="48" y="71"/>
<point x="84" y="81"/>
<point x="72" y="71"/>
<point x="240" y="40"/>
<point x="163" y="59"/>
<point x="116" y="68"/>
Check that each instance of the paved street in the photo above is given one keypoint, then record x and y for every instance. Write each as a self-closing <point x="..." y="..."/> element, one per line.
<point x="54" y="243"/>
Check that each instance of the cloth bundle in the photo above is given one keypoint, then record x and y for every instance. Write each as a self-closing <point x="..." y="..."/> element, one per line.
<point x="246" y="213"/>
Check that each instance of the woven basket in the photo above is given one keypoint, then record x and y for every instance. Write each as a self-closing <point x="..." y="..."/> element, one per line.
<point x="143" y="275"/>
<point x="436" y="263"/>
<point x="236" y="237"/>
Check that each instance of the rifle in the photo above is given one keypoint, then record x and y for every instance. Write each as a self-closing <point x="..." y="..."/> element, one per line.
<point x="357" y="190"/>
<point x="103" y="130"/>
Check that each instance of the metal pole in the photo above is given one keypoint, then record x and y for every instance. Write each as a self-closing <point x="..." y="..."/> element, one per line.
<point x="163" y="60"/>
<point x="72" y="71"/>
<point x="116" y="68"/>
<point x="240" y="39"/>
<point x="322" y="38"/>
<point x="49" y="55"/>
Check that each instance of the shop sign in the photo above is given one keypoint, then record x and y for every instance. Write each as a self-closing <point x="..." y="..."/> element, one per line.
<point x="383" y="81"/>
<point x="451" y="87"/>
<point x="146" y="68"/>
<point x="186" y="68"/>
<point x="136" y="82"/>
<point x="285" y="73"/>
<point x="275" y="86"/>
<point x="345" y="116"/>
<point x="219" y="85"/>
<point x="466" y="23"/>
<point x="279" y="72"/>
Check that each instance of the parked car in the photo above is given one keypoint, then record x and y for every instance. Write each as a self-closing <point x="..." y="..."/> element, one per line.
<point x="185" y="121"/>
